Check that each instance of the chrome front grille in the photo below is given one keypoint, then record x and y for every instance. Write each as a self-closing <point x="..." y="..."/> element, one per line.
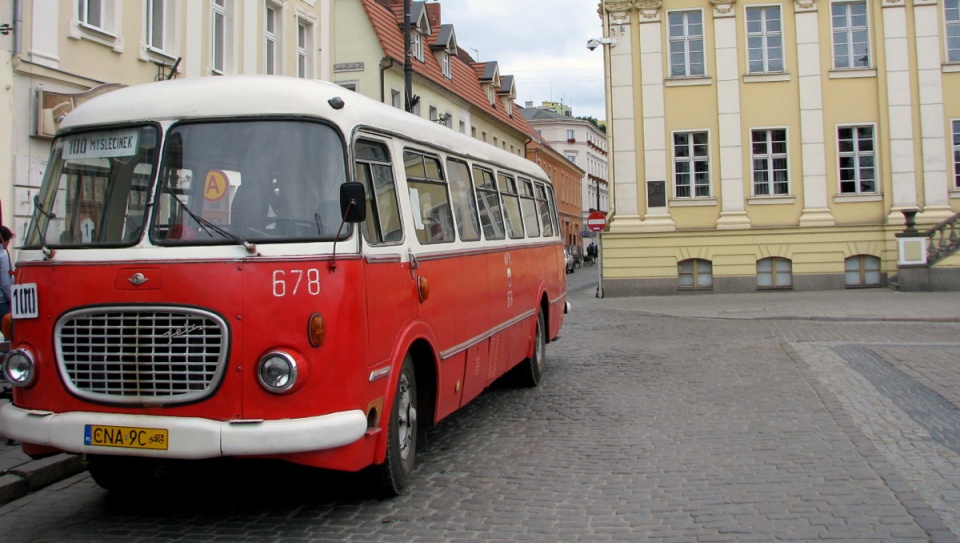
<point x="141" y="355"/>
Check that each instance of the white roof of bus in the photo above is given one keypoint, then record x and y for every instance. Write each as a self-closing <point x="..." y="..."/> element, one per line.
<point x="241" y="96"/>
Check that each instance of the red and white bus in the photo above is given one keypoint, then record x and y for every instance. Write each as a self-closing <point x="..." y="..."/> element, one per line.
<point x="276" y="268"/>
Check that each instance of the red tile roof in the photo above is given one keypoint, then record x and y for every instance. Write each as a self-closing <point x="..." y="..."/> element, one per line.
<point x="386" y="17"/>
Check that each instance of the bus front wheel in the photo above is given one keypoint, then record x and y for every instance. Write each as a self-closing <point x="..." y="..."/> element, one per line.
<point x="395" y="472"/>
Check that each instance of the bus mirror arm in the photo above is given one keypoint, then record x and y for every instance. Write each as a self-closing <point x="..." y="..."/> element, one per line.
<point x="351" y="195"/>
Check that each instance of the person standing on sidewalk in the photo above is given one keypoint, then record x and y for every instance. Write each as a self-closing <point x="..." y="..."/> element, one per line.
<point x="6" y="271"/>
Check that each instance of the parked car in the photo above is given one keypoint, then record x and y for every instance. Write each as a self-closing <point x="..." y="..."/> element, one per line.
<point x="568" y="258"/>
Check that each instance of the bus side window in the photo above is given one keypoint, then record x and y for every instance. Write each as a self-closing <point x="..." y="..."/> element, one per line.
<point x="529" y="208"/>
<point x="511" y="205"/>
<point x="375" y="171"/>
<point x="543" y="206"/>
<point x="488" y="200"/>
<point x="432" y="217"/>
<point x="464" y="206"/>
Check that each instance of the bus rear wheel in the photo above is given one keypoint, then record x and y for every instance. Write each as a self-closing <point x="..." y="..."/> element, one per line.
<point x="394" y="474"/>
<point x="530" y="371"/>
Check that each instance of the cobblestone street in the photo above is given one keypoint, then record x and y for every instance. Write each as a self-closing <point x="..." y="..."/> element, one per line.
<point x="649" y="425"/>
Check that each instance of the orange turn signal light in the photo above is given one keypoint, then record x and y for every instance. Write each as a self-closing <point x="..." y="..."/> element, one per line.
<point x="423" y="289"/>
<point x="316" y="330"/>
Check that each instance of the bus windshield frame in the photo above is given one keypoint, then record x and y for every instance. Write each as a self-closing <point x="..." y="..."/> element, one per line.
<point x="220" y="182"/>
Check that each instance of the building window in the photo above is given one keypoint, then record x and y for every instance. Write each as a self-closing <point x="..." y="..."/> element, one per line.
<point x="956" y="154"/>
<point x="851" y="35"/>
<point x="857" y="160"/>
<point x="271" y="30"/>
<point x="92" y="13"/>
<point x="395" y="99"/>
<point x="304" y="49"/>
<point x="572" y="157"/>
<point x="862" y="271"/>
<point x="571" y="137"/>
<point x="952" y="17"/>
<point x="691" y="164"/>
<point x="445" y="65"/>
<point x="221" y="36"/>
<point x="770" y="176"/>
<point x="764" y="39"/>
<point x="695" y="273"/>
<point x="774" y="272"/>
<point x="156" y="24"/>
<point x="686" y="43"/>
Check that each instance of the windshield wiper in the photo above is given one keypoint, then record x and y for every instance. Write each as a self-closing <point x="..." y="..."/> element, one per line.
<point x="204" y="223"/>
<point x="47" y="251"/>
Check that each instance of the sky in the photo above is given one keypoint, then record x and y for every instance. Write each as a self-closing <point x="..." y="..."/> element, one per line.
<point x="542" y="43"/>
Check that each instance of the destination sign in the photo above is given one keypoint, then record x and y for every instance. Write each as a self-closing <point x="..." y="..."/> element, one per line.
<point x="112" y="144"/>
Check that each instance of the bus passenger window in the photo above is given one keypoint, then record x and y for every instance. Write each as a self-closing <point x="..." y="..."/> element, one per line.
<point x="511" y="205"/>
<point x="432" y="217"/>
<point x="464" y="206"/>
<point x="543" y="206"/>
<point x="488" y="200"/>
<point x="374" y="170"/>
<point x="529" y="208"/>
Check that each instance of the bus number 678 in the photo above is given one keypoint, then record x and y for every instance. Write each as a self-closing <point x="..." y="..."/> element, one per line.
<point x="291" y="281"/>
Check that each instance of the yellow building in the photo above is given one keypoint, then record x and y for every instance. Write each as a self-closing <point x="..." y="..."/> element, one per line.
<point x="56" y="53"/>
<point x="771" y="144"/>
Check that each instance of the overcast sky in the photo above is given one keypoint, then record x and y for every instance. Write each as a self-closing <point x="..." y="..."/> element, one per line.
<point x="543" y="44"/>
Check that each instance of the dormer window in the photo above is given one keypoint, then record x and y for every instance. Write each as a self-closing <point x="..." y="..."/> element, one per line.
<point x="444" y="48"/>
<point x="417" y="45"/>
<point x="445" y="65"/>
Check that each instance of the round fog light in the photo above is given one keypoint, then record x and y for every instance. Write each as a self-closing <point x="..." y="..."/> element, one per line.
<point x="19" y="368"/>
<point x="277" y="372"/>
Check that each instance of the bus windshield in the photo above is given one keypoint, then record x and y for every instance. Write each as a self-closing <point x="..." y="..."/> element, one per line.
<point x="219" y="183"/>
<point x="249" y="181"/>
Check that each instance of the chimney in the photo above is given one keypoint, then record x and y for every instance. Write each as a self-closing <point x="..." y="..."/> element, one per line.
<point x="433" y="14"/>
<point x="528" y="104"/>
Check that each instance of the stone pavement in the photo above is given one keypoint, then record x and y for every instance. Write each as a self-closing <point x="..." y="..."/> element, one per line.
<point x="743" y="417"/>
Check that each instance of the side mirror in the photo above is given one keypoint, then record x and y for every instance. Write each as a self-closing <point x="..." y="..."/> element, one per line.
<point x="353" y="202"/>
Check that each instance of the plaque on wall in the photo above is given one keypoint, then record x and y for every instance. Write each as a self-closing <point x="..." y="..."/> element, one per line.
<point x="656" y="194"/>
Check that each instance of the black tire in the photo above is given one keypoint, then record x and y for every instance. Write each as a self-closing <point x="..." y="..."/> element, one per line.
<point x="530" y="371"/>
<point x="395" y="472"/>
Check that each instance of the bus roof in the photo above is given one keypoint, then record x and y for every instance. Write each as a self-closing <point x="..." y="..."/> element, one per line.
<point x="260" y="95"/>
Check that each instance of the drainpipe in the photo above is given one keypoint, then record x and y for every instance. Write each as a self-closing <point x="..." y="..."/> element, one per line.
<point x="385" y="64"/>
<point x="407" y="63"/>
<point x="17" y="25"/>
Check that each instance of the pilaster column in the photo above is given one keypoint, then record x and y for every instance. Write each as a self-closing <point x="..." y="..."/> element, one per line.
<point x="618" y="16"/>
<point x="816" y="211"/>
<point x="936" y="188"/>
<point x="732" y="213"/>
<point x="903" y="168"/>
<point x="650" y="30"/>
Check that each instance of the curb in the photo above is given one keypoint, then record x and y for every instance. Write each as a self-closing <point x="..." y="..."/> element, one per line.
<point x="17" y="482"/>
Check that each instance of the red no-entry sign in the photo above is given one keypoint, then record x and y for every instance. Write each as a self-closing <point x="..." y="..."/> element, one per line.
<point x="596" y="221"/>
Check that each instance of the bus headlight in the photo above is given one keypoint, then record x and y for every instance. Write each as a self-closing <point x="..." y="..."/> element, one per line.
<point x="19" y="368"/>
<point x="277" y="372"/>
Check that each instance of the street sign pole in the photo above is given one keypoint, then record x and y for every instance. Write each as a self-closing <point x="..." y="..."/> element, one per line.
<point x="596" y="222"/>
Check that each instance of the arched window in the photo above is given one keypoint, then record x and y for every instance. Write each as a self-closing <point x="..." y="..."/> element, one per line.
<point x="695" y="273"/>
<point x="774" y="272"/>
<point x="862" y="271"/>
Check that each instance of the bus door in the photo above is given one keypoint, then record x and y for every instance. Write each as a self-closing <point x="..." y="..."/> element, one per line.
<point x="390" y="290"/>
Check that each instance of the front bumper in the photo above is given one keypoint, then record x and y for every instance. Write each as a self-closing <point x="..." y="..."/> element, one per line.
<point x="189" y="437"/>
